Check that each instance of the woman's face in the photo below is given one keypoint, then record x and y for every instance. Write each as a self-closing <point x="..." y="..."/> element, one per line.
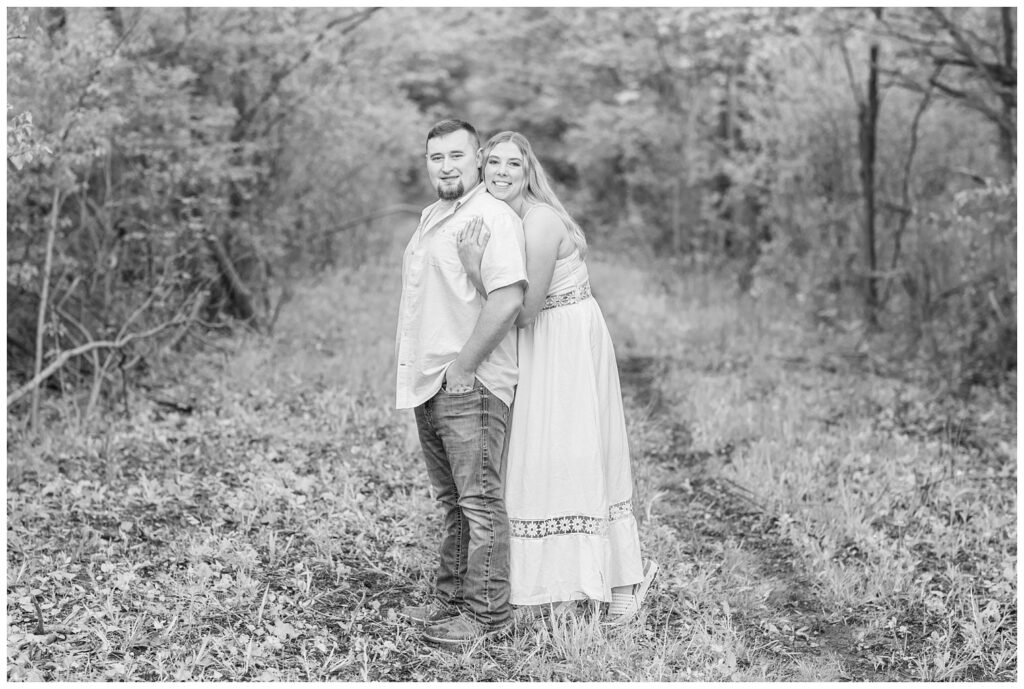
<point x="505" y="172"/>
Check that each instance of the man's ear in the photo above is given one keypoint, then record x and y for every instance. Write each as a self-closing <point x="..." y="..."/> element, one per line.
<point x="479" y="157"/>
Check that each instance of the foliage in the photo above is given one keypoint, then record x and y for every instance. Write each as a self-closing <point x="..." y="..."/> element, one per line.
<point x="192" y="161"/>
<point x="811" y="200"/>
<point x="267" y="516"/>
<point x="966" y="55"/>
<point x="251" y="510"/>
<point x="960" y="290"/>
<point x="205" y="157"/>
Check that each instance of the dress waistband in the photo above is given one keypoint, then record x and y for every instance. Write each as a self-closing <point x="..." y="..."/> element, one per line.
<point x="573" y="296"/>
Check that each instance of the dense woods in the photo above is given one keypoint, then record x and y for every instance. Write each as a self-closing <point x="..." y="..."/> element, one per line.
<point x="803" y="233"/>
<point x="174" y="171"/>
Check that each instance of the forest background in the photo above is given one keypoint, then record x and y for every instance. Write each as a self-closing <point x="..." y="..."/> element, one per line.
<point x="181" y="166"/>
<point x="177" y="175"/>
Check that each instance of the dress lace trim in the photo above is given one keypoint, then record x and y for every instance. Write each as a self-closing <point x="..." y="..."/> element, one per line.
<point x="570" y="524"/>
<point x="572" y="296"/>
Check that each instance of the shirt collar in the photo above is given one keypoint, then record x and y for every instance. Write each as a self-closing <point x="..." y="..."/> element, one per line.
<point x="462" y="200"/>
<point x="433" y="222"/>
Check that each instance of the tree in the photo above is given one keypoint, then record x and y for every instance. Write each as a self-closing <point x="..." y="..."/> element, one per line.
<point x="169" y="130"/>
<point x="867" y="118"/>
<point x="966" y="55"/>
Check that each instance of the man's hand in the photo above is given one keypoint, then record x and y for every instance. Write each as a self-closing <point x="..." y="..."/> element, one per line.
<point x="495" y="320"/>
<point x="457" y="380"/>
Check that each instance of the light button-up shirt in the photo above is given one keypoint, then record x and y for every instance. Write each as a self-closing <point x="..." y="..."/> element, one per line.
<point x="440" y="306"/>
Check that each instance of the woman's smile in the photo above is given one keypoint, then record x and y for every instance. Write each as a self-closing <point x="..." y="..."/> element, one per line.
<point x="504" y="172"/>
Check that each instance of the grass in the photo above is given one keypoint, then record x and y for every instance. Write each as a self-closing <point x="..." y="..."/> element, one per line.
<point x="814" y="521"/>
<point x="896" y="508"/>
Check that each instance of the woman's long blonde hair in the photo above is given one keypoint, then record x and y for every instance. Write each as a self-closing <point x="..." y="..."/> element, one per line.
<point x="537" y="188"/>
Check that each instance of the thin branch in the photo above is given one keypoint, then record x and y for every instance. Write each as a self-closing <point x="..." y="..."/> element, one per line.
<point x="967" y="34"/>
<point x="391" y="210"/>
<point x="96" y="71"/>
<point x="356" y="19"/>
<point x="66" y="356"/>
<point x="51" y="235"/>
<point x="963" y="45"/>
<point x="849" y="72"/>
<point x="193" y="316"/>
<point x="241" y="296"/>
<point x="180" y="316"/>
<point x="1006" y="77"/>
<point x="970" y="100"/>
<point x="905" y="187"/>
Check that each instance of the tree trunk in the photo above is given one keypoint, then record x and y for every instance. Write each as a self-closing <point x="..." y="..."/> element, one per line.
<point x="1009" y="100"/>
<point x="868" y="141"/>
<point x="240" y="297"/>
<point x="677" y="225"/>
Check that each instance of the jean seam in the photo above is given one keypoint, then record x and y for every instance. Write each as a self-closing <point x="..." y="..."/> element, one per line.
<point x="459" y="589"/>
<point x="484" y="454"/>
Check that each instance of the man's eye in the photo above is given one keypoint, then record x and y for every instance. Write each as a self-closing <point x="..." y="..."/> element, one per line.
<point x="456" y="156"/>
<point x="436" y="159"/>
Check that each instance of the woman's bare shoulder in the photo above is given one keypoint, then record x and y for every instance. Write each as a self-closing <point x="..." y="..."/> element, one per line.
<point x="542" y="216"/>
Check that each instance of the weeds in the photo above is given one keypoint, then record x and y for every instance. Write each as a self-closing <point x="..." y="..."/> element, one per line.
<point x="813" y="522"/>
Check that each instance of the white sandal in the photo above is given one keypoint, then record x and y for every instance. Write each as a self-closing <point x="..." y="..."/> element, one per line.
<point x="626" y="605"/>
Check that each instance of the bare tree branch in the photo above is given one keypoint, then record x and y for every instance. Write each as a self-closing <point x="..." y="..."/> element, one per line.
<point x="44" y="295"/>
<point x="849" y="73"/>
<point x="246" y="118"/>
<point x="66" y="356"/>
<point x="963" y="45"/>
<point x="391" y="210"/>
<point x="907" y="209"/>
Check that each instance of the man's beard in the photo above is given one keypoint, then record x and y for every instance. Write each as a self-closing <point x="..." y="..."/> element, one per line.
<point x="450" y="194"/>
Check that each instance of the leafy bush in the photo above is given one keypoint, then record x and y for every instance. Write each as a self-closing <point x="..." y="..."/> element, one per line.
<point x="958" y="297"/>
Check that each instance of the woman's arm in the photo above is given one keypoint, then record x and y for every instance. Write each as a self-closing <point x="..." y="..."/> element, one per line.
<point x="471" y="241"/>
<point x="544" y="232"/>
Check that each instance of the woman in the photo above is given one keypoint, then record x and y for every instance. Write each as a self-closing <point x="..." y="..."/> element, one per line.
<point x="568" y="487"/>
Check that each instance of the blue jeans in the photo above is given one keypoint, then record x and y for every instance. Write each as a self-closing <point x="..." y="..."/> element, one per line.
<point x="465" y="444"/>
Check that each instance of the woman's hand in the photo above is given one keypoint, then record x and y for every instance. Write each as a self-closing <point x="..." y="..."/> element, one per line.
<point x="471" y="241"/>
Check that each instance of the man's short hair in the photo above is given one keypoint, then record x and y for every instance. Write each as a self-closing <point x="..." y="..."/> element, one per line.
<point x="451" y="126"/>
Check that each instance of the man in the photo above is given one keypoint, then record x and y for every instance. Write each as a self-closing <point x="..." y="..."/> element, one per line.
<point x="457" y="369"/>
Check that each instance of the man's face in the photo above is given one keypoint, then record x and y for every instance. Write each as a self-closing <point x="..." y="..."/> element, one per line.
<point x="453" y="163"/>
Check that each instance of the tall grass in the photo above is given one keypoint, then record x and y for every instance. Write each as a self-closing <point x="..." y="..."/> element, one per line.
<point x="893" y="514"/>
<point x="274" y="532"/>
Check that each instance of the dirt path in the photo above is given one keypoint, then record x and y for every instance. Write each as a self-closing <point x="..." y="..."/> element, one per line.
<point x="712" y="509"/>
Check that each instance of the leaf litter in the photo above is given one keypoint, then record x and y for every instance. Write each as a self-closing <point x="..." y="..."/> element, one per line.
<point x="274" y="532"/>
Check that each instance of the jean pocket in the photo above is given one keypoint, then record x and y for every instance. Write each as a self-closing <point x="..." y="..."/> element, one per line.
<point x="461" y="393"/>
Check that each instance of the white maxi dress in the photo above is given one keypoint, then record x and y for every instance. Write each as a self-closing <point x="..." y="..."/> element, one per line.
<point x="568" y="488"/>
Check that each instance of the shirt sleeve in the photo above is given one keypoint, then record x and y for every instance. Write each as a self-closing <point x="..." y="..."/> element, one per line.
<point x="504" y="259"/>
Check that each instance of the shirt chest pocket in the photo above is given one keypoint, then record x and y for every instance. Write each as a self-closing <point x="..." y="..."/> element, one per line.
<point x="443" y="251"/>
